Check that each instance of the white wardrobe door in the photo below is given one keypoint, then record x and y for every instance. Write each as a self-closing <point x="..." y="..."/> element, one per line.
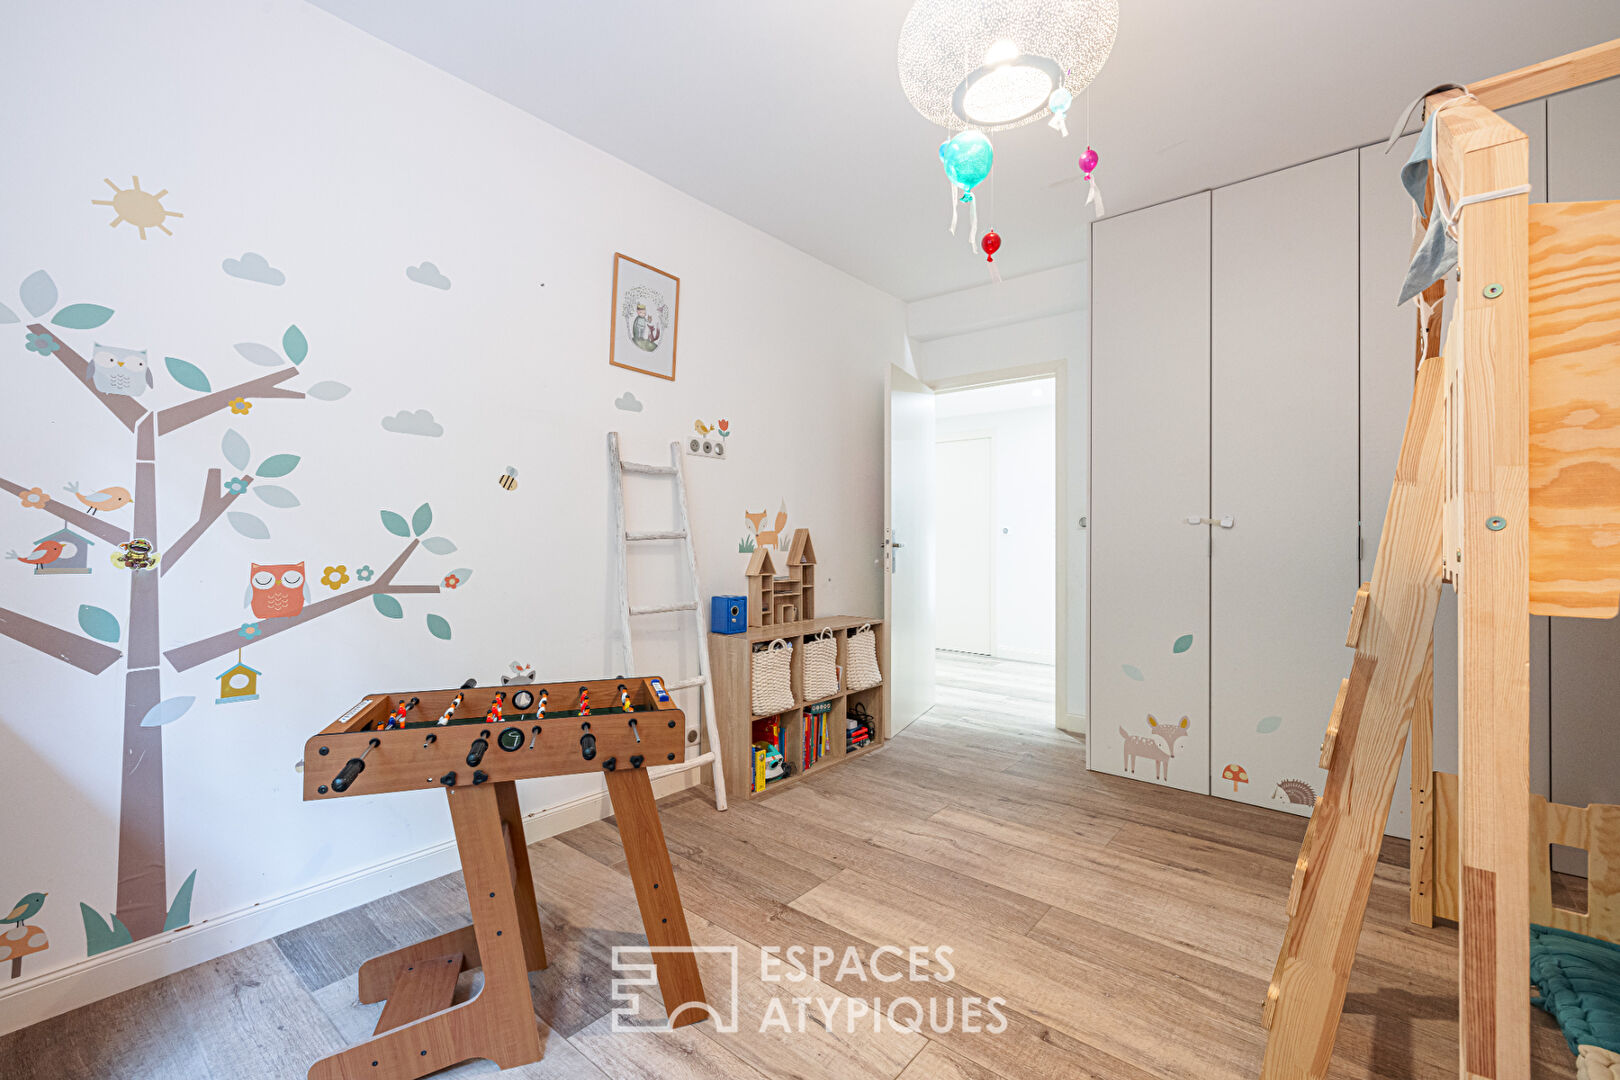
<point x="1284" y="468"/>
<point x="1150" y="471"/>
<point x="1387" y="356"/>
<point x="1583" y="163"/>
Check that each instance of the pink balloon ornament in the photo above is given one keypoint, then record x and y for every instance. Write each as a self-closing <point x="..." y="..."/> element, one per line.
<point x="1088" y="165"/>
<point x="1088" y="161"/>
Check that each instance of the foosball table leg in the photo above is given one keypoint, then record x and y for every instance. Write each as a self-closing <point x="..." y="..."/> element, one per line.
<point x="499" y="1023"/>
<point x="534" y="945"/>
<point x="647" y="857"/>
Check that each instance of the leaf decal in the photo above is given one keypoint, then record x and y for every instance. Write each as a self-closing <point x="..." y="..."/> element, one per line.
<point x="422" y="519"/>
<point x="82" y="316"/>
<point x="277" y="465"/>
<point x="249" y="526"/>
<point x="438" y="627"/>
<point x="278" y="497"/>
<point x="395" y="524"/>
<point x="190" y="376"/>
<point x="263" y="355"/>
<point x="1132" y="672"/>
<point x="98" y="936"/>
<point x="295" y="345"/>
<point x="1183" y="643"/>
<point x="235" y="449"/>
<point x="38" y="293"/>
<point x="388" y="606"/>
<point x="180" y="910"/>
<point x="461" y="574"/>
<point x="167" y="711"/>
<point x="438" y="545"/>
<point x="7" y="315"/>
<point x="327" y="391"/>
<point x="1267" y="725"/>
<point x="99" y="623"/>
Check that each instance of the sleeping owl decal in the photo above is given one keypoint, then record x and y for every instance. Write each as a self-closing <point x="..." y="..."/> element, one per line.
<point x="119" y="371"/>
<point x="278" y="591"/>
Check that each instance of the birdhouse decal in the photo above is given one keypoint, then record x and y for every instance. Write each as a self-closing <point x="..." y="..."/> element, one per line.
<point x="238" y="683"/>
<point x="62" y="552"/>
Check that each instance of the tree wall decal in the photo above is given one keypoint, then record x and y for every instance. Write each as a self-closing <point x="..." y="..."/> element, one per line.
<point x="142" y="908"/>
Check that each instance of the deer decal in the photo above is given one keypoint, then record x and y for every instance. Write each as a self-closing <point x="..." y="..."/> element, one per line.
<point x="1146" y="746"/>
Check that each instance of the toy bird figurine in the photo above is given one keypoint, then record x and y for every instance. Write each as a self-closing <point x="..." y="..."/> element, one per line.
<point x="26" y="909"/>
<point x="46" y="552"/>
<point x="111" y="498"/>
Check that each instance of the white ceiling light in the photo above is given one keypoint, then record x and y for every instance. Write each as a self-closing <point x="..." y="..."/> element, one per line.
<point x="992" y="64"/>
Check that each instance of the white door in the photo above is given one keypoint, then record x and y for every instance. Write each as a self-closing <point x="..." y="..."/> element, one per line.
<point x="1284" y="468"/>
<point x="1150" y="471"/>
<point x="963" y="611"/>
<point x="908" y="549"/>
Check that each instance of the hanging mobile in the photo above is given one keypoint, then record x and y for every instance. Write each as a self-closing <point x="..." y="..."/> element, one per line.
<point x="1088" y="164"/>
<point x="991" y="243"/>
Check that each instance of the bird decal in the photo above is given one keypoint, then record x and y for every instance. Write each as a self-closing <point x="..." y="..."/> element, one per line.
<point x="110" y="498"/>
<point x="119" y="371"/>
<point x="701" y="427"/>
<point x="26" y="909"/>
<point x="45" y="552"/>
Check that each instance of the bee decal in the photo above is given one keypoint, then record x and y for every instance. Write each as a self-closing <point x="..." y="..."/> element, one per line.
<point x="508" y="479"/>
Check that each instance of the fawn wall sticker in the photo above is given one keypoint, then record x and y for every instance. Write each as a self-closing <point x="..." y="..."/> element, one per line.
<point x="1158" y="746"/>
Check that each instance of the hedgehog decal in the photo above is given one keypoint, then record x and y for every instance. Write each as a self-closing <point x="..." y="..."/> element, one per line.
<point x="1297" y="792"/>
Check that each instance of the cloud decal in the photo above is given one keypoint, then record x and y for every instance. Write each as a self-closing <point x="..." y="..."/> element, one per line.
<point x="427" y="274"/>
<point x="254" y="267"/>
<point x="406" y="422"/>
<point x="627" y="401"/>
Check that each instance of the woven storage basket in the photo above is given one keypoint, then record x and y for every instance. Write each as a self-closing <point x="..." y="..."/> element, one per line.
<point x="863" y="662"/>
<point x="821" y="666"/>
<point x="773" y="678"/>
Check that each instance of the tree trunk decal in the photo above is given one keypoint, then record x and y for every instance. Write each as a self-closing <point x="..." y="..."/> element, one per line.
<point x="142" y="903"/>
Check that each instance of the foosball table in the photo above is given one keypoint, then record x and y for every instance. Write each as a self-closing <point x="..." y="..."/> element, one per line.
<point x="476" y="744"/>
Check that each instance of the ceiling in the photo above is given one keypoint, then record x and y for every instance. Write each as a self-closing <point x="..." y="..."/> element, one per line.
<point x="790" y="117"/>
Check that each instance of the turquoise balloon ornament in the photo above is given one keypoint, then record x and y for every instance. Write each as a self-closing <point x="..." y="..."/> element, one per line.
<point x="1059" y="103"/>
<point x="967" y="157"/>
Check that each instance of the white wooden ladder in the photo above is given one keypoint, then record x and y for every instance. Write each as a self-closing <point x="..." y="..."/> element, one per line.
<point x="617" y="468"/>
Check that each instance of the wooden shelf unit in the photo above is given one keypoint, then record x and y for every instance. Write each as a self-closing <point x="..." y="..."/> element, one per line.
<point x="731" y="662"/>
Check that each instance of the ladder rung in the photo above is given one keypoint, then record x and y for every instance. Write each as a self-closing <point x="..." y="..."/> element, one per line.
<point x="649" y="470"/>
<point x="636" y="537"/>
<point x="706" y="758"/>
<point x="659" y="608"/>
<point x="685" y="684"/>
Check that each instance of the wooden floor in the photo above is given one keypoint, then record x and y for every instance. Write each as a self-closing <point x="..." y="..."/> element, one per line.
<point x="1130" y="928"/>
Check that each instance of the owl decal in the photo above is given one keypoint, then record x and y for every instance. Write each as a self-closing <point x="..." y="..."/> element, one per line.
<point x="278" y="591"/>
<point x="119" y="371"/>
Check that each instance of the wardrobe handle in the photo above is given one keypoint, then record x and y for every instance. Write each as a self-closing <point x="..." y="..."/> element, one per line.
<point x="1224" y="522"/>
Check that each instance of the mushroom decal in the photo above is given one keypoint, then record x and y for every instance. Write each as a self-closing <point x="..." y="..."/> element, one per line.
<point x="1235" y="774"/>
<point x="18" y="939"/>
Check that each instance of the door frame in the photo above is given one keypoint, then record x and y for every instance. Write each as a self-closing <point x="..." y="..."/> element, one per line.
<point x="990" y="573"/>
<point x="1058" y="371"/>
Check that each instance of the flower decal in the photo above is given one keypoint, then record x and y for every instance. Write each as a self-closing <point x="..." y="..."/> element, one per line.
<point x="249" y="630"/>
<point x="335" y="577"/>
<point x="240" y="406"/>
<point x="451" y="581"/>
<point x="725" y="428"/>
<point x="43" y="344"/>
<point x="34" y="498"/>
<point x="363" y="574"/>
<point x="236" y="485"/>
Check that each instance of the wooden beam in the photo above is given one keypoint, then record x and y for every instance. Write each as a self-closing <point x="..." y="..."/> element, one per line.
<point x="1421" y="851"/>
<point x="1488" y="404"/>
<point x="1550" y="76"/>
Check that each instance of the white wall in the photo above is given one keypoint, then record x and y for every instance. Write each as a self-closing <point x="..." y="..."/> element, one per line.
<point x="1023" y="483"/>
<point x="1038" y="319"/>
<point x="280" y="130"/>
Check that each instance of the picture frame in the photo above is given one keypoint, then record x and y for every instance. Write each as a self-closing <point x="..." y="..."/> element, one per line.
<point x="646" y="318"/>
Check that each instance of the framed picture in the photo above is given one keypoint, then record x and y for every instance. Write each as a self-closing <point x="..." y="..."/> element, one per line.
<point x="646" y="317"/>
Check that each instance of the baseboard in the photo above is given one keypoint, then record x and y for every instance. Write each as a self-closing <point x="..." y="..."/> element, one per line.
<point x="96" y="977"/>
<point x="1074" y="723"/>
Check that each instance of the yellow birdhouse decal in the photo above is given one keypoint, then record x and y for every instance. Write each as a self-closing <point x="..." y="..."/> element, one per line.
<point x="238" y="683"/>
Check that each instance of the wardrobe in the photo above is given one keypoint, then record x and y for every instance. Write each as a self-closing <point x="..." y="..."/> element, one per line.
<point x="1251" y="376"/>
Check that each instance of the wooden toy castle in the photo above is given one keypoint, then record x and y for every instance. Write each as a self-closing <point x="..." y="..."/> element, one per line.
<point x="775" y="600"/>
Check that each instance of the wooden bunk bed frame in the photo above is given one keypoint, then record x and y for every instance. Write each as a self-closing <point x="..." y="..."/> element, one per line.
<point x="1508" y="485"/>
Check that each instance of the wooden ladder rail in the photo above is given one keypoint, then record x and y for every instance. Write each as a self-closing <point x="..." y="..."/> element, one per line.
<point x="1334" y="873"/>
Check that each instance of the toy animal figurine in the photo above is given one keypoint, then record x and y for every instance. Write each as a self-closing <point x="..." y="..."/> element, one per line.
<point x="136" y="554"/>
<point x="1138" y="746"/>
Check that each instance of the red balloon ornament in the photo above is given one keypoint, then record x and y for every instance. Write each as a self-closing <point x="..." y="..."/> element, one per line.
<point x="991" y="243"/>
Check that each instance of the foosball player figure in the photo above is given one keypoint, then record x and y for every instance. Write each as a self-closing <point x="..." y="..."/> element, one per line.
<point x="494" y="714"/>
<point x="540" y="704"/>
<point x="448" y="713"/>
<point x="624" y="700"/>
<point x="584" y="701"/>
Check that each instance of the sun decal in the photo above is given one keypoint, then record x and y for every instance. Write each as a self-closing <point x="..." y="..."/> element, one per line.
<point x="142" y="209"/>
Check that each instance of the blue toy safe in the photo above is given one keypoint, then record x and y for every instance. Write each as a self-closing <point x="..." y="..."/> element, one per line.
<point x="728" y="614"/>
